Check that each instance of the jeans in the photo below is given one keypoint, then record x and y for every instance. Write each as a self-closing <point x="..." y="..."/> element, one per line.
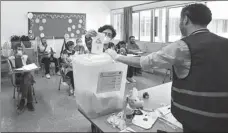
<point x="47" y="61"/>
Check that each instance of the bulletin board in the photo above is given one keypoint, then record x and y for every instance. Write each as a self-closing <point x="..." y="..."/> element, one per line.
<point x="49" y="25"/>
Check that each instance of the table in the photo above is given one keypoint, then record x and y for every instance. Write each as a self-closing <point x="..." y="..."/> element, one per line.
<point x="158" y="95"/>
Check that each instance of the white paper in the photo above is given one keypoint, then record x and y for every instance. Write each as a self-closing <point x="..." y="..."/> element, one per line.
<point x="139" y="120"/>
<point x="128" y="129"/>
<point x="164" y="110"/>
<point x="28" y="67"/>
<point x="97" y="44"/>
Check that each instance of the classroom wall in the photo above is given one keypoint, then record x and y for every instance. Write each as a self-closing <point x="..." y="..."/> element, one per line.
<point x="14" y="15"/>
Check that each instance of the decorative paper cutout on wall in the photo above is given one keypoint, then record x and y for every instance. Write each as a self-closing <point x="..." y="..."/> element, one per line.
<point x="44" y="20"/>
<point x="56" y="24"/>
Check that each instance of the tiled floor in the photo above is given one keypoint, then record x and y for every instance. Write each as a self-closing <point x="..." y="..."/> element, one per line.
<point x="55" y="110"/>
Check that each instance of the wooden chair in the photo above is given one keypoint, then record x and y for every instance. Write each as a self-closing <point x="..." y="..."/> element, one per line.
<point x="12" y="73"/>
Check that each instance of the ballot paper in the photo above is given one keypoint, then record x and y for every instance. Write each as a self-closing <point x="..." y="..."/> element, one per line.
<point x="128" y="130"/>
<point x="165" y="114"/>
<point x="146" y="120"/>
<point x="97" y="43"/>
<point x="29" y="67"/>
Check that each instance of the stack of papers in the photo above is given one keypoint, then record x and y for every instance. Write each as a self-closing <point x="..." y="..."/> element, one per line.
<point x="29" y="67"/>
<point x="165" y="114"/>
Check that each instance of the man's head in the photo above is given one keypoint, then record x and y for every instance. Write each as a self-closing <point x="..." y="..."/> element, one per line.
<point x="43" y="41"/>
<point x="109" y="32"/>
<point x="70" y="45"/>
<point x="18" y="50"/>
<point x="132" y="39"/>
<point x="194" y="16"/>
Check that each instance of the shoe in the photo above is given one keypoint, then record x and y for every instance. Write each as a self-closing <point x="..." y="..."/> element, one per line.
<point x="48" y="76"/>
<point x="21" y="106"/>
<point x="58" y="73"/>
<point x="131" y="80"/>
<point x="127" y="81"/>
<point x="71" y="92"/>
<point x="30" y="107"/>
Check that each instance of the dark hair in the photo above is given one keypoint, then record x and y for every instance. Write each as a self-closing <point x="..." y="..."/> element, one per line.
<point x="105" y="27"/>
<point x="15" y="38"/>
<point x="110" y="45"/>
<point x="17" y="45"/>
<point x="68" y="44"/>
<point x="131" y="37"/>
<point x="119" y="43"/>
<point x="198" y="14"/>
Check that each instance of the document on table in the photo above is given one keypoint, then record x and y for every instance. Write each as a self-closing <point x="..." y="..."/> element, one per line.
<point x="165" y="114"/>
<point x="29" y="67"/>
<point x="146" y="120"/>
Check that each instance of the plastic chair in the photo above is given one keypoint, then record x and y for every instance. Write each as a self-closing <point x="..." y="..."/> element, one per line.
<point x="17" y="87"/>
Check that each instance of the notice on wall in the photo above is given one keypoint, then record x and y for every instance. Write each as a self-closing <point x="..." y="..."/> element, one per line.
<point x="109" y="81"/>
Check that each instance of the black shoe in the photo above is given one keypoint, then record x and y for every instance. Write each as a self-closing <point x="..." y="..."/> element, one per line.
<point x="30" y="107"/>
<point x="21" y="105"/>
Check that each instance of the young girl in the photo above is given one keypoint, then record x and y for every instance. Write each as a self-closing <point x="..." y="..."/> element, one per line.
<point x="67" y="54"/>
<point x="24" y="80"/>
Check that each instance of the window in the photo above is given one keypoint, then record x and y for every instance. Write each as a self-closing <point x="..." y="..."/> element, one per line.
<point x="159" y="25"/>
<point x="219" y="23"/>
<point x="173" y="24"/>
<point x="145" y="25"/>
<point x="117" y="24"/>
<point x="135" y="25"/>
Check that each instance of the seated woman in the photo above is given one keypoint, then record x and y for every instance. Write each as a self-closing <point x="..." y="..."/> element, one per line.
<point x="67" y="54"/>
<point x="121" y="48"/>
<point x="47" y="53"/>
<point x="24" y="80"/>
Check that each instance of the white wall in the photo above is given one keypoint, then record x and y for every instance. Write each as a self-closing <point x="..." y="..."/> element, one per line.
<point x="14" y="14"/>
<point x="121" y="4"/>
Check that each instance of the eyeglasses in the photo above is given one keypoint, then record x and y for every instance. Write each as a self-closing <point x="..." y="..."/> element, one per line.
<point x="108" y="34"/>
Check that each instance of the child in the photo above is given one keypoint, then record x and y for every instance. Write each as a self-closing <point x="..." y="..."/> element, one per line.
<point x="67" y="54"/>
<point x="24" y="80"/>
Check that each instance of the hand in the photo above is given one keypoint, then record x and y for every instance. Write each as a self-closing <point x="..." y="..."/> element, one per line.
<point x="112" y="53"/>
<point x="91" y="33"/>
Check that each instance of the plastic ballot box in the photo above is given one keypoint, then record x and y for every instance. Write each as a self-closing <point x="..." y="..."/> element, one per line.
<point x="99" y="84"/>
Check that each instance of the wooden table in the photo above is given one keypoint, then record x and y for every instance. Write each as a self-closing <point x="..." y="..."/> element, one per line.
<point x="158" y="95"/>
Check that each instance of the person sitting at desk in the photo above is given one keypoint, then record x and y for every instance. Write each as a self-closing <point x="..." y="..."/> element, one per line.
<point x="133" y="48"/>
<point x="67" y="54"/>
<point x="121" y="49"/>
<point x="47" y="54"/>
<point x="24" y="80"/>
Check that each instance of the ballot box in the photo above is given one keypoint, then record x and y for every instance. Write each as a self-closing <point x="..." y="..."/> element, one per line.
<point x="99" y="84"/>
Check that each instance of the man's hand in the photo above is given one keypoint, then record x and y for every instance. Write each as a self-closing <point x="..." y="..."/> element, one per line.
<point x="113" y="54"/>
<point x="91" y="33"/>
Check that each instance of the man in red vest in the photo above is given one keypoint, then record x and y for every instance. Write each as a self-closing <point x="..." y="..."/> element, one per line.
<point x="200" y="72"/>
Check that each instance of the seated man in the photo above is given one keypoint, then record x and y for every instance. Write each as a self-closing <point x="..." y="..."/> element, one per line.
<point x="132" y="49"/>
<point x="121" y="49"/>
<point x="24" y="80"/>
<point x="47" y="55"/>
